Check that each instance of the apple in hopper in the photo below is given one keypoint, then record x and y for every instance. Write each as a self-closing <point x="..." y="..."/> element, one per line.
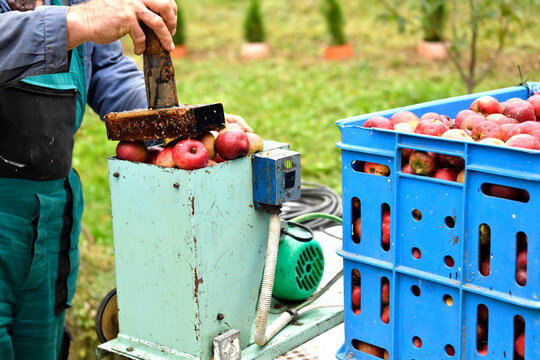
<point x="232" y="144"/>
<point x="232" y="126"/>
<point x="385" y="293"/>
<point x="487" y="129"/>
<point x="462" y="115"/>
<point x="486" y="105"/>
<point x="471" y="121"/>
<point x="190" y="154"/>
<point x="524" y="141"/>
<point x="132" y="151"/>
<point x="521" y="260"/>
<point x="218" y="159"/>
<point x="209" y="141"/>
<point x="458" y="134"/>
<point x="423" y="163"/>
<point x="256" y="143"/>
<point x="431" y="127"/>
<point x="379" y="122"/>
<point x="520" y="110"/>
<point x="446" y="174"/>
<point x="535" y="102"/>
<point x="434" y="116"/>
<point x="505" y="192"/>
<point x="153" y="152"/>
<point x="376" y="169"/>
<point x="164" y="158"/>
<point x="451" y="161"/>
<point x="406" y="117"/>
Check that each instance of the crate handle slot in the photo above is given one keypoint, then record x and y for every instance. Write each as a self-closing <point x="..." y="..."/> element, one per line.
<point x="370" y="349"/>
<point x="385" y="300"/>
<point x="482" y="328"/>
<point x="521" y="258"/>
<point x="356" y="291"/>
<point x="505" y="192"/>
<point x="484" y="249"/>
<point x="519" y="337"/>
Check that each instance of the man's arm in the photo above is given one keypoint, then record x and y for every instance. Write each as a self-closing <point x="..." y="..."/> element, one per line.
<point x="32" y="42"/>
<point x="115" y="83"/>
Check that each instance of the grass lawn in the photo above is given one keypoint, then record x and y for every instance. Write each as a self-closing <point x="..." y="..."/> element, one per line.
<point x="294" y="96"/>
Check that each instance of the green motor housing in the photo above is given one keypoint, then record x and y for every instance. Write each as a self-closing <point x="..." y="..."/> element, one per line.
<point x="299" y="267"/>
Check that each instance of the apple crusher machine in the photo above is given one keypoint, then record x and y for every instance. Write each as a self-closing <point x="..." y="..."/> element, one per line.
<point x="199" y="253"/>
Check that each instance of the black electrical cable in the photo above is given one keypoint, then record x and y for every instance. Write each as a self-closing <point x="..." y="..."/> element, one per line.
<point x="314" y="198"/>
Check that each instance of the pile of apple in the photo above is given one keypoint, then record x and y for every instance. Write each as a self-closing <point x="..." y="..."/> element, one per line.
<point x="514" y="122"/>
<point x="208" y="149"/>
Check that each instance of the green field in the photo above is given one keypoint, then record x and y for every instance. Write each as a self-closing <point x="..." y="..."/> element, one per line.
<point x="294" y="96"/>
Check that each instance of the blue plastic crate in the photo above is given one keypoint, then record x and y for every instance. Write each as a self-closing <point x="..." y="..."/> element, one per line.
<point x="451" y="216"/>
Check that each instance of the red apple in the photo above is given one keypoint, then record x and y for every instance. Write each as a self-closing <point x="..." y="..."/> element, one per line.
<point x="153" y="152"/>
<point x="506" y="129"/>
<point x="521" y="261"/>
<point x="481" y="331"/>
<point x="471" y="121"/>
<point x="231" y="126"/>
<point x="256" y="143"/>
<point x="416" y="253"/>
<point x="462" y="115"/>
<point x="376" y="169"/>
<point x="423" y="163"/>
<point x="403" y="117"/>
<point x="218" y="159"/>
<point x="407" y="169"/>
<point x="487" y="129"/>
<point x="461" y="176"/>
<point x="385" y="316"/>
<point x="356" y="297"/>
<point x="132" y="151"/>
<point x="519" y="345"/>
<point x="505" y="192"/>
<point x="405" y="152"/>
<point x="190" y="154"/>
<point x="385" y="293"/>
<point x="431" y="127"/>
<point x="450" y="350"/>
<point x="527" y="127"/>
<point x="486" y="105"/>
<point x="520" y="110"/>
<point x="356" y="204"/>
<point x="417" y="342"/>
<point x="524" y="141"/>
<point x="385" y="238"/>
<point x="356" y="311"/>
<point x="446" y="174"/>
<point x="379" y="122"/>
<point x="485" y="267"/>
<point x="211" y="162"/>
<point x="451" y="161"/>
<point x="484" y="235"/>
<point x="501" y="119"/>
<point x="357" y="230"/>
<point x="483" y="349"/>
<point x="521" y="277"/>
<point x="164" y="158"/>
<point x="209" y="141"/>
<point x="458" y="134"/>
<point x="232" y="144"/>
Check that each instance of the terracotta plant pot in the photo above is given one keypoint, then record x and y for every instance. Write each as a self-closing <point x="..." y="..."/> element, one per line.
<point x="179" y="51"/>
<point x="338" y="52"/>
<point x="434" y="50"/>
<point x="255" y="50"/>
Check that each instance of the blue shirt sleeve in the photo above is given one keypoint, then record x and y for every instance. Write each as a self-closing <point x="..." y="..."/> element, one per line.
<point x="114" y="81"/>
<point x="32" y="42"/>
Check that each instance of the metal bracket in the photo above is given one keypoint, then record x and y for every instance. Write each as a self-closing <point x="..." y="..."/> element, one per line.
<point x="227" y="346"/>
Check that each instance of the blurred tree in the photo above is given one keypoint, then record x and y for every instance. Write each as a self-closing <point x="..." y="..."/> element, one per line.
<point x="253" y="25"/>
<point x="433" y="19"/>
<point x="334" y="21"/>
<point x="179" y="38"/>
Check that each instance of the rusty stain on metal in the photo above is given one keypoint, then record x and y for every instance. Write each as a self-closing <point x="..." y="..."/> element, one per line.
<point x="116" y="174"/>
<point x="176" y="185"/>
<point x="196" y="298"/>
<point x="192" y="206"/>
<point x="456" y="240"/>
<point x="220" y="316"/>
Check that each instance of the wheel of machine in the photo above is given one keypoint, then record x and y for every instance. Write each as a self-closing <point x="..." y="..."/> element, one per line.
<point x="107" y="318"/>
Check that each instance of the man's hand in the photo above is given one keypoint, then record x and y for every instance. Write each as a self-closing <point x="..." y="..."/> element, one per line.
<point x="105" y="21"/>
<point x="229" y="119"/>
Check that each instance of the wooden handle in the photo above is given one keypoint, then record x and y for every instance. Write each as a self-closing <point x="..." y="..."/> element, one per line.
<point x="158" y="73"/>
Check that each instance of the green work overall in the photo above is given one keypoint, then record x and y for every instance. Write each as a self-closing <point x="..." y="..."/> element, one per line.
<point x="40" y="210"/>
